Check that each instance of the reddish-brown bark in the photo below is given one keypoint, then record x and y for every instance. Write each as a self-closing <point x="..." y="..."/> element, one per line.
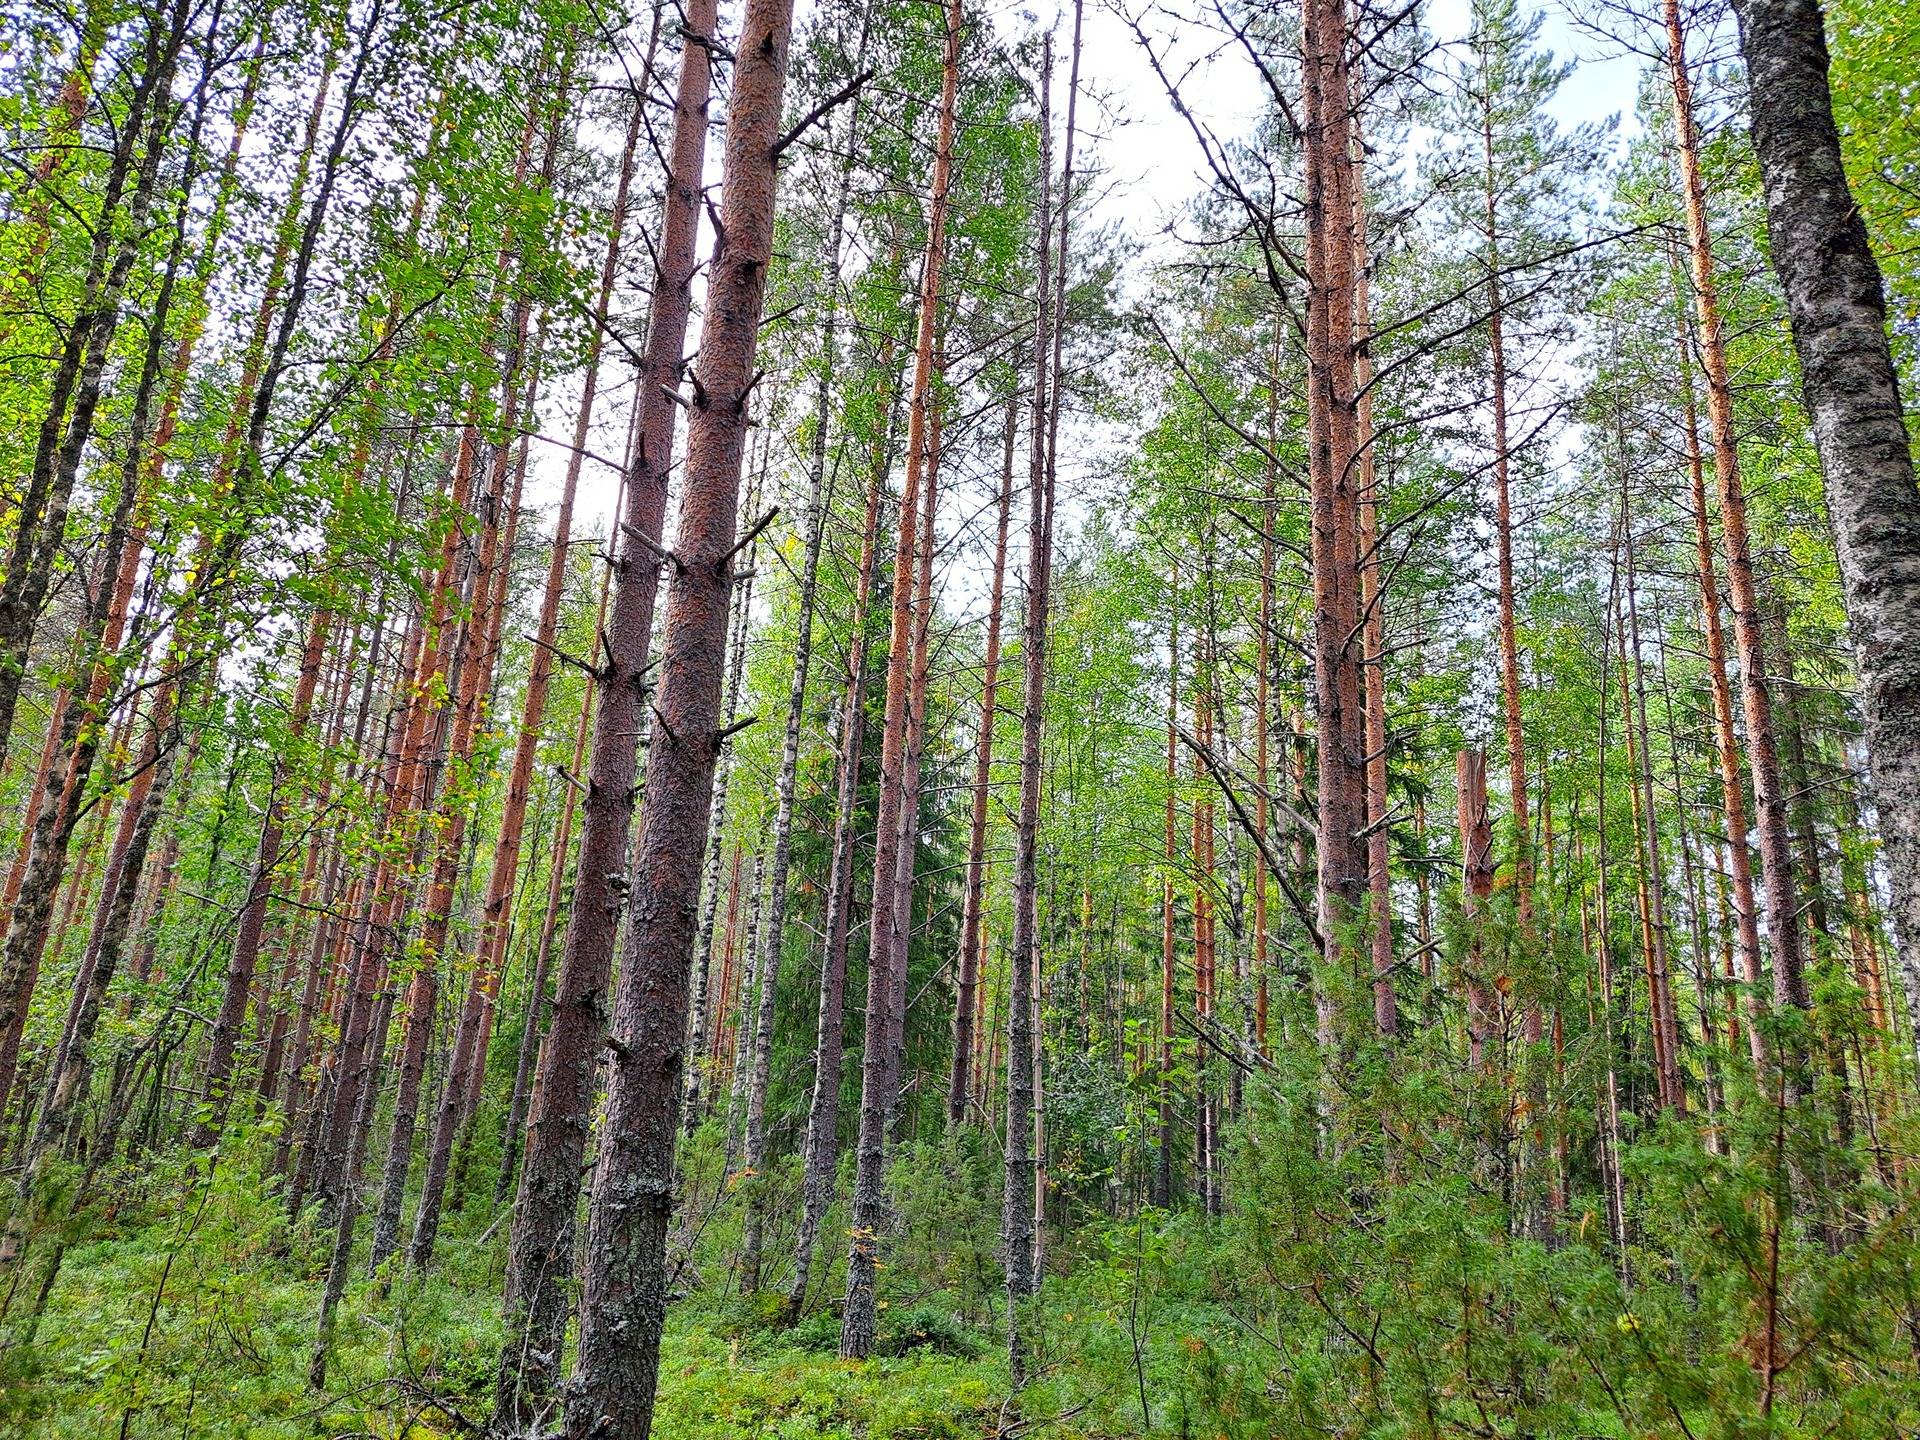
<point x="1733" y="795"/>
<point x="474" y="1028"/>
<point x="823" y="1110"/>
<point x="965" y="1002"/>
<point x="541" y="1244"/>
<point x="1763" y="762"/>
<point x="858" y="1323"/>
<point x="623" y="1297"/>
<point x="1332" y="447"/>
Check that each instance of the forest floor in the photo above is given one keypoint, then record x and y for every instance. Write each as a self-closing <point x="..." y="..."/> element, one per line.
<point x="188" y="1308"/>
<point x="190" y="1311"/>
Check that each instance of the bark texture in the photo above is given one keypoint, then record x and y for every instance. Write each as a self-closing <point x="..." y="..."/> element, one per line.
<point x="858" y="1320"/>
<point x="539" y="1254"/>
<point x="1016" y="1203"/>
<point x="623" y="1301"/>
<point x="1837" y="311"/>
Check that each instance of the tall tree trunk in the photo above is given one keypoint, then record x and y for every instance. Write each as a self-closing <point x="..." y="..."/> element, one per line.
<point x="541" y="1245"/>
<point x="1503" y="533"/>
<point x="1205" y="952"/>
<point x="1016" y="1206"/>
<point x="1733" y="795"/>
<point x="823" y="1109"/>
<point x="1656" y="935"/>
<point x="623" y="1298"/>
<point x="1837" y="312"/>
<point x="1163" y="1168"/>
<point x="911" y="766"/>
<point x="1529" y="1213"/>
<point x="40" y="523"/>
<point x="773" y="930"/>
<point x="1769" y="797"/>
<point x="469" y="1054"/>
<point x="1263" y="695"/>
<point x="1373" y="616"/>
<point x="1332" y="445"/>
<point x="512" y="1133"/>
<point x="1695" y="882"/>
<point x="968" y="968"/>
<point x="858" y="1320"/>
<point x="709" y="1014"/>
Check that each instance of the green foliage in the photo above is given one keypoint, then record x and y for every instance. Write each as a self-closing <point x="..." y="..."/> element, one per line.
<point x="928" y="1327"/>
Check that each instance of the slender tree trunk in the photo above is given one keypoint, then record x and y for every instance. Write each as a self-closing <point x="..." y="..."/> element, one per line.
<point x="40" y="523"/>
<point x="1695" y="883"/>
<point x="558" y="870"/>
<point x="1263" y="696"/>
<point x="1503" y="532"/>
<point x="1769" y="798"/>
<point x="968" y="980"/>
<point x="1163" y="1169"/>
<point x="1530" y="1215"/>
<point x="823" y="1109"/>
<point x="1664" y="1019"/>
<point x="722" y="997"/>
<point x="911" y="766"/>
<point x="1016" y="1208"/>
<point x="773" y="931"/>
<point x="624" y="1290"/>
<point x="1373" y="617"/>
<point x="858" y="1320"/>
<point x="1726" y="748"/>
<point x="196" y="640"/>
<point x="1054" y="392"/>
<point x="1205" y="954"/>
<point x="263" y="883"/>
<point x="709" y="1013"/>
<point x="740" y="1013"/>
<point x="469" y="1056"/>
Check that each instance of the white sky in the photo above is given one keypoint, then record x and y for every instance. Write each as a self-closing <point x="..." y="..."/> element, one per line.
<point x="1152" y="165"/>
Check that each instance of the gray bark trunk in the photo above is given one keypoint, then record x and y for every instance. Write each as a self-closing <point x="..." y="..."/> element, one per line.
<point x="1837" y="311"/>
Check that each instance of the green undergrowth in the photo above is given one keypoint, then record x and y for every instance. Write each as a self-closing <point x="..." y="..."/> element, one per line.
<point x="188" y="1308"/>
<point x="1326" y="1304"/>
